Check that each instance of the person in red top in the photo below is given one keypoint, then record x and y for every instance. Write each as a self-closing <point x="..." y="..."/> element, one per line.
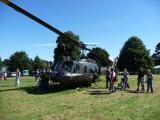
<point x="112" y="80"/>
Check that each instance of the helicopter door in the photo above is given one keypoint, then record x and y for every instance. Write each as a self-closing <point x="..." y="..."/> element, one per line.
<point x="86" y="73"/>
<point x="85" y="70"/>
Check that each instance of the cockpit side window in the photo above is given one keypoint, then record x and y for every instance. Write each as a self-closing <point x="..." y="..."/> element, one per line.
<point x="67" y="66"/>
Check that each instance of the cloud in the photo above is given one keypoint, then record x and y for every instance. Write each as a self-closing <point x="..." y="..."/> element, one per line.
<point x="44" y="45"/>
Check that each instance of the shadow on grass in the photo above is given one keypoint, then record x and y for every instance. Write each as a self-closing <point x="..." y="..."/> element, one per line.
<point x="51" y="89"/>
<point x="6" y="86"/>
<point x="37" y="91"/>
<point x="11" y="89"/>
<point x="134" y="91"/>
<point x="97" y="91"/>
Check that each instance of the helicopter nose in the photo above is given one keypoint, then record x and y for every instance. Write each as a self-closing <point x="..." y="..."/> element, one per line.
<point x="67" y="74"/>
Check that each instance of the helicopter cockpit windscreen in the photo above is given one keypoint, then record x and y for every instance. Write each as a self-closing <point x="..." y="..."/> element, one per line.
<point x="58" y="66"/>
<point x="67" y="66"/>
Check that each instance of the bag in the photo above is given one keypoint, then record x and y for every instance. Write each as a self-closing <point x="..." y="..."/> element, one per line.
<point x="115" y="79"/>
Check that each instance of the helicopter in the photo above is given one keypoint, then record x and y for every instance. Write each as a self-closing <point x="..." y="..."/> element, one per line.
<point x="67" y="72"/>
<point x="75" y="73"/>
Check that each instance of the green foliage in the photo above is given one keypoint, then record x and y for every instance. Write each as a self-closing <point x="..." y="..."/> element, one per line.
<point x="134" y="55"/>
<point x="156" y="55"/>
<point x="39" y="64"/>
<point x="66" y="47"/>
<point x="102" y="56"/>
<point x="6" y="62"/>
<point x="22" y="61"/>
<point x="19" y="60"/>
<point x="1" y="63"/>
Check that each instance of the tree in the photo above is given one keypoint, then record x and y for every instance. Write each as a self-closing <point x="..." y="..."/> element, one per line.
<point x="5" y="62"/>
<point x="134" y="55"/>
<point x="156" y="55"/>
<point x="1" y="63"/>
<point x="102" y="56"/>
<point x="66" y="47"/>
<point x="39" y="64"/>
<point x="19" y="60"/>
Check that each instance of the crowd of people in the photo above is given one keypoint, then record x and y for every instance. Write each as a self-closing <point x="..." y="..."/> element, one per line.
<point x="112" y="77"/>
<point x="42" y="78"/>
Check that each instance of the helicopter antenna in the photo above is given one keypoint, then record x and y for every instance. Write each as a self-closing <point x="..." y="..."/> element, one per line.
<point x="83" y="50"/>
<point x="115" y="62"/>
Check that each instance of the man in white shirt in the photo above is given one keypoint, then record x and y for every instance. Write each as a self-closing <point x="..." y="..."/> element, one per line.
<point x="18" y="74"/>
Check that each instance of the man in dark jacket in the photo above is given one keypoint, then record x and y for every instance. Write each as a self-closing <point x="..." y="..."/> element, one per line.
<point x="44" y="80"/>
<point x="107" y="77"/>
<point x="140" y="79"/>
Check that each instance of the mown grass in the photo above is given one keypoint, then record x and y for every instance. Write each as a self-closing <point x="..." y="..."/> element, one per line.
<point x="28" y="103"/>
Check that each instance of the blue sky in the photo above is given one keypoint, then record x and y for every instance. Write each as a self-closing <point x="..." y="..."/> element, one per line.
<point x="108" y="23"/>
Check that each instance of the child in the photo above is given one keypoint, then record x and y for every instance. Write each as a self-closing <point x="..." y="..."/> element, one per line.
<point x="121" y="85"/>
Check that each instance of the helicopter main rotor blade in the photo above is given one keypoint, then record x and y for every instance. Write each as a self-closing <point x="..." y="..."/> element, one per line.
<point x="38" y="20"/>
<point x="43" y="23"/>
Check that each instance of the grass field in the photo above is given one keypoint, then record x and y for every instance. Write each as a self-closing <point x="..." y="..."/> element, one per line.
<point x="28" y="103"/>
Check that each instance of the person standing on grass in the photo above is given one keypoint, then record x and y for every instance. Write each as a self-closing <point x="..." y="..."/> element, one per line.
<point x="125" y="77"/>
<point x="112" y="80"/>
<point x="140" y="79"/>
<point x="18" y="74"/>
<point x="5" y="76"/>
<point x="44" y="80"/>
<point x="149" y="79"/>
<point x="107" y="77"/>
<point x="37" y="75"/>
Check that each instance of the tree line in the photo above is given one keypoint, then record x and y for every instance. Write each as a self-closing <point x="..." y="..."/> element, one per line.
<point x="21" y="61"/>
<point x="132" y="56"/>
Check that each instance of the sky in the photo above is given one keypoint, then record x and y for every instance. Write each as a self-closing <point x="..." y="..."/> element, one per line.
<point x="106" y="23"/>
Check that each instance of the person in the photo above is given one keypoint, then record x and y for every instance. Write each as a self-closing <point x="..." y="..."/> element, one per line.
<point x="18" y="74"/>
<point x="149" y="79"/>
<point x="44" y="80"/>
<point x="107" y="77"/>
<point x="112" y="80"/>
<point x="5" y="76"/>
<point x="140" y="79"/>
<point x="37" y="75"/>
<point x="125" y="77"/>
<point x="121" y="85"/>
